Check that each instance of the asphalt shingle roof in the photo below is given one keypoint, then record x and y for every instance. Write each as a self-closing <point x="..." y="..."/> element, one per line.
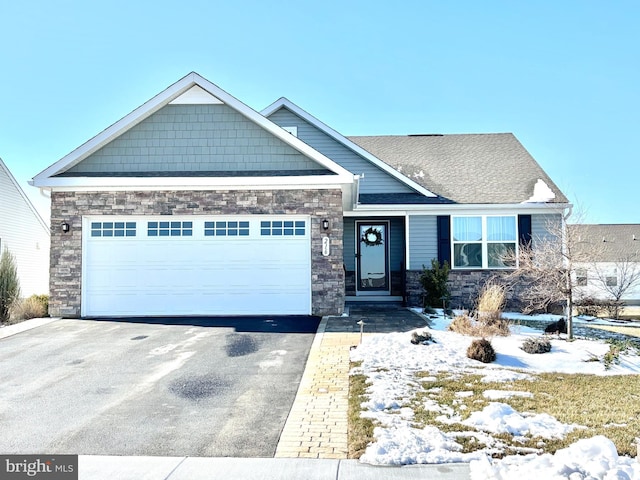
<point x="464" y="168"/>
<point x="614" y="242"/>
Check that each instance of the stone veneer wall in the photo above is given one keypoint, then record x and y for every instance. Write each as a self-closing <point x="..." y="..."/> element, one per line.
<point x="327" y="282"/>
<point x="464" y="286"/>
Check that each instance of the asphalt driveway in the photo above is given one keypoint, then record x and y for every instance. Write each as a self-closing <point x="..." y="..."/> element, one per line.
<point x="203" y="387"/>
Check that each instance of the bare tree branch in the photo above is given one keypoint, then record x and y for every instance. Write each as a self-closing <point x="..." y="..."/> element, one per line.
<point x="545" y="269"/>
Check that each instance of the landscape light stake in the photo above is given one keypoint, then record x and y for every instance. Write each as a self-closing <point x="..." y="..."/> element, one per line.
<point x="361" y="323"/>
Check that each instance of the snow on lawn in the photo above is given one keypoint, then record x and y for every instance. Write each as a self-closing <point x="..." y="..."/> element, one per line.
<point x="390" y="365"/>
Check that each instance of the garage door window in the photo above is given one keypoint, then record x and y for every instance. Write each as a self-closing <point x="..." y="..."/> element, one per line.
<point x="169" y="229"/>
<point x="280" y="228"/>
<point x="226" y="229"/>
<point x="113" y="229"/>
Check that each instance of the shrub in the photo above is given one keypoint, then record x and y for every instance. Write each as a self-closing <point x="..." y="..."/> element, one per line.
<point x="588" y="306"/>
<point x="434" y="283"/>
<point x="36" y="306"/>
<point x="481" y="350"/>
<point x="9" y="284"/>
<point x="536" y="345"/>
<point x="422" y="338"/>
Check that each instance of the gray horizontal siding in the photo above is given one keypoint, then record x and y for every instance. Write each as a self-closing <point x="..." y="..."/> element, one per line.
<point x="540" y="225"/>
<point x="349" y="244"/>
<point x="195" y="138"/>
<point x="375" y="180"/>
<point x="396" y="243"/>
<point x="423" y="240"/>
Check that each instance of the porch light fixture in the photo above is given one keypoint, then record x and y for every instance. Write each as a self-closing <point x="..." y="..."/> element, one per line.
<point x="65" y="227"/>
<point x="325" y="224"/>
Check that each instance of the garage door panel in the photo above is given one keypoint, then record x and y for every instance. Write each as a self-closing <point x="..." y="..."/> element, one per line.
<point x="108" y="278"/>
<point x="196" y="274"/>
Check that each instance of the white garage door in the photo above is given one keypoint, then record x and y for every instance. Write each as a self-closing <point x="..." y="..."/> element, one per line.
<point x="155" y="266"/>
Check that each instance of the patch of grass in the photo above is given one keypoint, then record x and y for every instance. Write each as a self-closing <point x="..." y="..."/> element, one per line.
<point x="360" y="430"/>
<point x="607" y="406"/>
<point x="631" y="331"/>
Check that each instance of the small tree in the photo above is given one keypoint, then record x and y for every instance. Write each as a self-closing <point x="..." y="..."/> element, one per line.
<point x="9" y="284"/>
<point x="434" y="282"/>
<point x="545" y="267"/>
<point x="627" y="276"/>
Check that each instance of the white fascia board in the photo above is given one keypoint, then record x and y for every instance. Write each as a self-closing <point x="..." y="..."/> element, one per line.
<point x="457" y="209"/>
<point x="286" y="103"/>
<point x="164" y="98"/>
<point x="191" y="183"/>
<point x="119" y="127"/>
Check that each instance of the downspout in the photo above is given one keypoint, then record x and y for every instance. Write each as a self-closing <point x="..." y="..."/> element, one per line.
<point x="356" y="191"/>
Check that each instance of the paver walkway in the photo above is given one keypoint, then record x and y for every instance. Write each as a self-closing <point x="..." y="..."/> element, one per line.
<point x="317" y="424"/>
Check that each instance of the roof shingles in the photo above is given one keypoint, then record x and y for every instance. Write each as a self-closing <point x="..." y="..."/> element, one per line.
<point x="614" y="243"/>
<point x="464" y="168"/>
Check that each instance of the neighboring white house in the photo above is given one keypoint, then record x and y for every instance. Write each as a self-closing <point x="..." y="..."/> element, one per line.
<point x="615" y="264"/>
<point x="24" y="234"/>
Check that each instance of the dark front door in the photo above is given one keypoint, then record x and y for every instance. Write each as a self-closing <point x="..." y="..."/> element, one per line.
<point x="372" y="258"/>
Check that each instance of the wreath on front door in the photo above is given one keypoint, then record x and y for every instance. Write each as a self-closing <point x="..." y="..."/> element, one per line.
<point x="372" y="237"/>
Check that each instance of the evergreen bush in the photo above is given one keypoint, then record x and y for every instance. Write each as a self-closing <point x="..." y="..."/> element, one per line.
<point x="434" y="283"/>
<point x="481" y="350"/>
<point x="9" y="284"/>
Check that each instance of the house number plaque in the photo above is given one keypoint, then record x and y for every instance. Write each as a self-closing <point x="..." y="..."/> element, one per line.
<point x="326" y="249"/>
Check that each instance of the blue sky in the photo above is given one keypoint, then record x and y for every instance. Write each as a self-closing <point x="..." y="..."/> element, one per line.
<point x="563" y="76"/>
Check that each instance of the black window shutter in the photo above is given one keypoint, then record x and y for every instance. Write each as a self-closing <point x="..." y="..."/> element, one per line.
<point x="524" y="229"/>
<point x="444" y="239"/>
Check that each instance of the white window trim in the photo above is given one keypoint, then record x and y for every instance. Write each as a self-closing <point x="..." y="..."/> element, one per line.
<point x="484" y="242"/>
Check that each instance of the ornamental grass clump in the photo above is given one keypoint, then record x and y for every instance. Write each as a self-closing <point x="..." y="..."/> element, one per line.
<point x="491" y="300"/>
<point x="481" y="350"/>
<point x="486" y="327"/>
<point x="36" y="306"/>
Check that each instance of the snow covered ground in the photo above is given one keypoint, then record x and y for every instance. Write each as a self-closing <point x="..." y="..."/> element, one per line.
<point x="390" y="364"/>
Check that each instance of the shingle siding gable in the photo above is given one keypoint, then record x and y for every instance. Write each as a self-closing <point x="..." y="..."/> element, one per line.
<point x="192" y="138"/>
<point x="375" y="180"/>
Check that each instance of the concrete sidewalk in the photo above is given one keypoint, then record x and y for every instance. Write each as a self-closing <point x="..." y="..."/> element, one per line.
<point x="10" y="330"/>
<point x="191" y="468"/>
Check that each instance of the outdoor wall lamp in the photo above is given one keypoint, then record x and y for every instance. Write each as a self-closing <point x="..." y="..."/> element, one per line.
<point x="65" y="227"/>
<point x="325" y="224"/>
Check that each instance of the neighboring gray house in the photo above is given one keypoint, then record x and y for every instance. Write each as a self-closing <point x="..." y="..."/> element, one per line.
<point x="614" y="268"/>
<point x="24" y="234"/>
<point x="196" y="204"/>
